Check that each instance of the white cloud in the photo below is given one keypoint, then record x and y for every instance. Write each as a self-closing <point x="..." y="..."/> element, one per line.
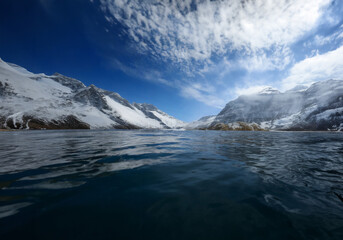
<point x="320" y="40"/>
<point x="182" y="31"/>
<point x="213" y="38"/>
<point x="201" y="95"/>
<point x="198" y="90"/>
<point x="251" y="90"/>
<point x="278" y="58"/>
<point x="138" y="72"/>
<point x="316" y="68"/>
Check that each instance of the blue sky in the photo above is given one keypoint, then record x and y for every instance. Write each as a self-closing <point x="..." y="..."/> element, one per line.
<point x="189" y="58"/>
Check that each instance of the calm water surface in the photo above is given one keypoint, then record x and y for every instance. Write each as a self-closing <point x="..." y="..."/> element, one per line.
<point x="170" y="185"/>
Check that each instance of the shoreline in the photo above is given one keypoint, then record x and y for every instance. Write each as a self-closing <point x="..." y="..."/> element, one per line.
<point x="111" y="129"/>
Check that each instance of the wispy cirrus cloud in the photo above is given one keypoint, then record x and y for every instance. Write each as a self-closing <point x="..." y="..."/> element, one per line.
<point x="182" y="31"/>
<point x="319" y="67"/>
<point x="210" y="41"/>
<point x="140" y="72"/>
<point x="321" y="40"/>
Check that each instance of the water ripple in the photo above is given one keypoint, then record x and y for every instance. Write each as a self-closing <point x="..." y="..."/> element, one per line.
<point x="291" y="172"/>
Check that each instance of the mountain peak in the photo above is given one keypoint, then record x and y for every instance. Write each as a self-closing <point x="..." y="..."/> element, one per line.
<point x="269" y="90"/>
<point x="298" y="88"/>
<point x="319" y="107"/>
<point x="35" y="101"/>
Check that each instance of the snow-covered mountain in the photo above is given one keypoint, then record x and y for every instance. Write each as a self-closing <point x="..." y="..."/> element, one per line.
<point x="319" y="107"/>
<point x="35" y="101"/>
<point x="202" y="123"/>
<point x="208" y="123"/>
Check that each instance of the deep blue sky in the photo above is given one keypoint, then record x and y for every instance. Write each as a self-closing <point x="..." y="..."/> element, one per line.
<point x="186" y="57"/>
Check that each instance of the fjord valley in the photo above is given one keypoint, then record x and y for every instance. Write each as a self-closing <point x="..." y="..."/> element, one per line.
<point x="114" y="166"/>
<point x="171" y="120"/>
<point x="38" y="101"/>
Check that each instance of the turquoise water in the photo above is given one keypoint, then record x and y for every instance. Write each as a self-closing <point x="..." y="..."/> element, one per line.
<point x="142" y="184"/>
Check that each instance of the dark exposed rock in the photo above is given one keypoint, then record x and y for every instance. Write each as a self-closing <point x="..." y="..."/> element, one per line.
<point x="238" y="126"/>
<point x="72" y="83"/>
<point x="219" y="126"/>
<point x="116" y="97"/>
<point x="6" y="89"/>
<point x="126" y="126"/>
<point x="90" y="95"/>
<point x="11" y="124"/>
<point x="69" y="122"/>
<point x="2" y="122"/>
<point x="29" y="122"/>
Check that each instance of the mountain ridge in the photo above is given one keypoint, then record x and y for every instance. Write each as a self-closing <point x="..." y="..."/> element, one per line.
<point x="316" y="108"/>
<point x="39" y="101"/>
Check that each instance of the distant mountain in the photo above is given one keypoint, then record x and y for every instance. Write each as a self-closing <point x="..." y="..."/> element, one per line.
<point x="36" y="101"/>
<point x="207" y="123"/>
<point x="319" y="107"/>
<point x="202" y="123"/>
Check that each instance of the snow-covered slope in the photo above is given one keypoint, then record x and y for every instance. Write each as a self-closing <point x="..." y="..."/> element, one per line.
<point x="319" y="107"/>
<point x="154" y="113"/>
<point x="202" y="123"/>
<point x="34" y="101"/>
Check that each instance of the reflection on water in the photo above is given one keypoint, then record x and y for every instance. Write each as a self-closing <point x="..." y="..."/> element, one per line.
<point x="171" y="185"/>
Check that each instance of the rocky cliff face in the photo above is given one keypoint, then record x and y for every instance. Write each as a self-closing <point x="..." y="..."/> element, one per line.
<point x="38" y="101"/>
